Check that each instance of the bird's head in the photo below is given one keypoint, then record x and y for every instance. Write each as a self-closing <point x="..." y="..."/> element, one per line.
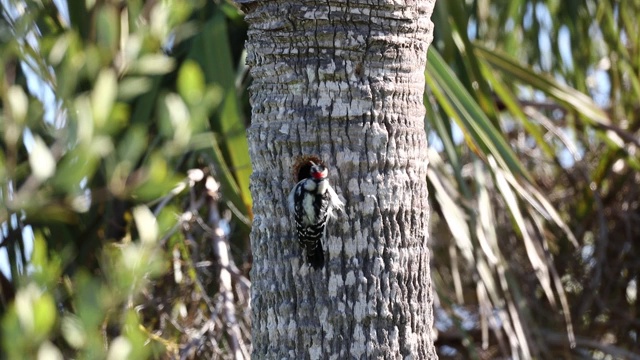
<point x="318" y="172"/>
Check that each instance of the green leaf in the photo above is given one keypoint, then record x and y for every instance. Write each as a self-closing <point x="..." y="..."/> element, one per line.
<point x="107" y="29"/>
<point x="73" y="331"/>
<point x="76" y="165"/>
<point x="103" y="96"/>
<point x="132" y="87"/>
<point x="152" y="64"/>
<point x="191" y="84"/>
<point x="43" y="164"/>
<point x="460" y="106"/>
<point x="211" y="50"/>
<point x="515" y="109"/>
<point x="44" y="314"/>
<point x="573" y="98"/>
<point x="18" y="103"/>
<point x="36" y="311"/>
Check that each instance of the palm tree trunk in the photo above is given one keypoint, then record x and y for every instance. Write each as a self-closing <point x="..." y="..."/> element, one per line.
<point x="343" y="81"/>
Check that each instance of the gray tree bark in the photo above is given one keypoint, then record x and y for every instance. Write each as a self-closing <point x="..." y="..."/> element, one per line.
<point x="342" y="80"/>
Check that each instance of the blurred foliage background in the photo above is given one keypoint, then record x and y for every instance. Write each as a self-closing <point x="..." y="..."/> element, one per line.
<point x="124" y="177"/>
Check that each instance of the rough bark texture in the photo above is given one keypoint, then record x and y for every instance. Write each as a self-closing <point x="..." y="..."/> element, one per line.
<point x="342" y="80"/>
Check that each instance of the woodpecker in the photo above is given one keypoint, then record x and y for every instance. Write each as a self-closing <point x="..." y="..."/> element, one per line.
<point x="312" y="202"/>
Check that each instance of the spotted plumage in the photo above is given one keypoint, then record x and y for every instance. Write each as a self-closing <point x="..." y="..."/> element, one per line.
<point x="313" y="202"/>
